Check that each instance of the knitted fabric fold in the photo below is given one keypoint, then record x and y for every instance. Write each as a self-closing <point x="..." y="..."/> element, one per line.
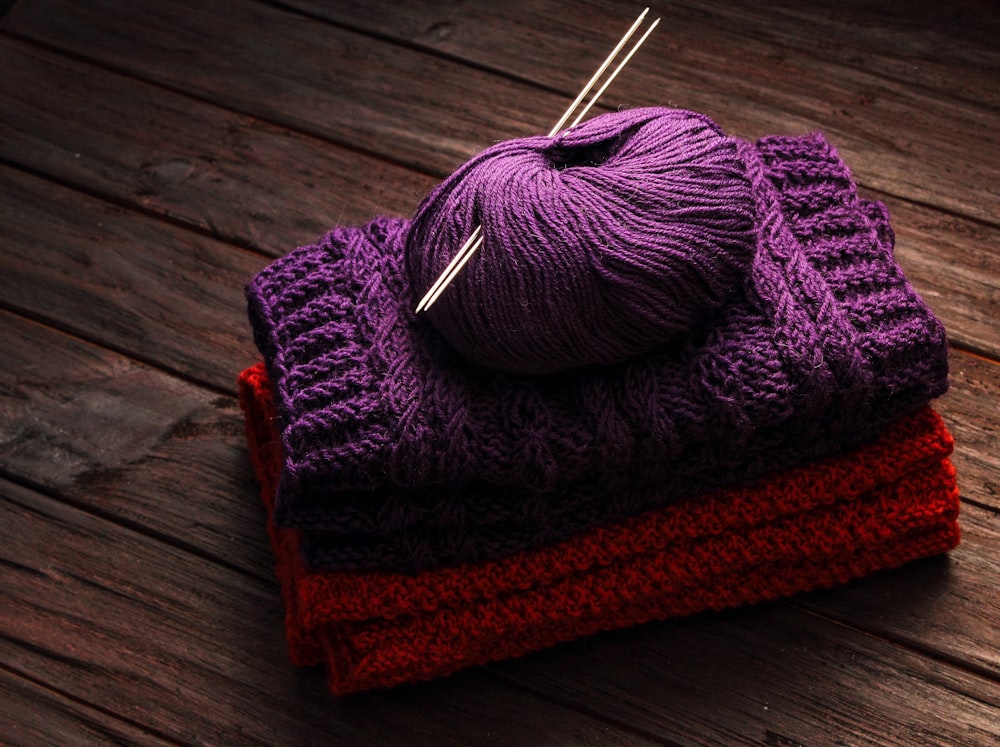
<point x="399" y="453"/>
<point x="817" y="525"/>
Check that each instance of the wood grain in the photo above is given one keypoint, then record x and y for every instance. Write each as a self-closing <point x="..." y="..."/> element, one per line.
<point x="39" y="716"/>
<point x="133" y="283"/>
<point x="949" y="48"/>
<point x="972" y="411"/>
<point x="944" y="606"/>
<point x="946" y="47"/>
<point x="130" y="443"/>
<point x="801" y="691"/>
<point x="234" y="177"/>
<point x="308" y="75"/>
<point x="793" y="93"/>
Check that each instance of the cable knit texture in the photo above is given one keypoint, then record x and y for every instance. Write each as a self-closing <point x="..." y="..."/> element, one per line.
<point x="817" y="525"/>
<point x="400" y="452"/>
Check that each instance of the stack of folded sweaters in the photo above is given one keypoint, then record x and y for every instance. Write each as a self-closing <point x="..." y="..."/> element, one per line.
<point x="428" y="513"/>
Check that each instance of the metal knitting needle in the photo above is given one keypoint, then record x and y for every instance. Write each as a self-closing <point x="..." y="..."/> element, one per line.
<point x="614" y="75"/>
<point x="475" y="240"/>
<point x="472" y="244"/>
<point x="600" y="71"/>
<point x="451" y="271"/>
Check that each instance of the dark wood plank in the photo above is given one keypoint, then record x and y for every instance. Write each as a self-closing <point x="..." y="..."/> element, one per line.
<point x="949" y="48"/>
<point x="198" y="454"/>
<point x="195" y="651"/>
<point x="34" y="715"/>
<point x="903" y="139"/>
<point x="235" y="177"/>
<point x="417" y="109"/>
<point x="129" y="442"/>
<point x="132" y="282"/>
<point x="775" y="678"/>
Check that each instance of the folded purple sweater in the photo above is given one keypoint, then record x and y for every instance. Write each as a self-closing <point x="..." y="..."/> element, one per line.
<point x="401" y="454"/>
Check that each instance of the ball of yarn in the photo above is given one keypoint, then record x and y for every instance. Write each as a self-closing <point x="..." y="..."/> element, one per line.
<point x="599" y="244"/>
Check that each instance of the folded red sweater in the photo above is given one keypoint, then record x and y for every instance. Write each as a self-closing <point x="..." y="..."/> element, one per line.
<point x="810" y="527"/>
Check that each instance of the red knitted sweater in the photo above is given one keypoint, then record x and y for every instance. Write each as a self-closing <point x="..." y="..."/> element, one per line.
<point x="814" y="526"/>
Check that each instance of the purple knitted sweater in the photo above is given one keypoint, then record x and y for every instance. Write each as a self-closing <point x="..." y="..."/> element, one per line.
<point x="399" y="453"/>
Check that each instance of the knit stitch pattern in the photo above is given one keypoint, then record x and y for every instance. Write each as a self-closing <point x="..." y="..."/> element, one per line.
<point x="400" y="453"/>
<point x="814" y="526"/>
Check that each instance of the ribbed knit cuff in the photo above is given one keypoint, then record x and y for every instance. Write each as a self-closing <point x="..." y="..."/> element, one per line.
<point x="848" y="243"/>
<point x="326" y="318"/>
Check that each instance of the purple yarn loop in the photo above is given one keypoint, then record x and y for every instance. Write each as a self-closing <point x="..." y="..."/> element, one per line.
<point x="599" y="244"/>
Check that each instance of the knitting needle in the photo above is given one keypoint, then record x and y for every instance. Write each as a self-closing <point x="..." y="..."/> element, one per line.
<point x="465" y="253"/>
<point x="613" y="75"/>
<point x="451" y="271"/>
<point x="475" y="240"/>
<point x="600" y="71"/>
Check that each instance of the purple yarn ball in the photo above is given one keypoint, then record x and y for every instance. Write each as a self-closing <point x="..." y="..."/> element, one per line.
<point x="599" y="244"/>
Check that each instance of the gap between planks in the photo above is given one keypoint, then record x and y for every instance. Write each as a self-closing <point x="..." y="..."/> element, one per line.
<point x="62" y="706"/>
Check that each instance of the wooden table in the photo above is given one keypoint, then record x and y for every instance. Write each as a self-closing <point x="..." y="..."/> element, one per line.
<point x="153" y="156"/>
